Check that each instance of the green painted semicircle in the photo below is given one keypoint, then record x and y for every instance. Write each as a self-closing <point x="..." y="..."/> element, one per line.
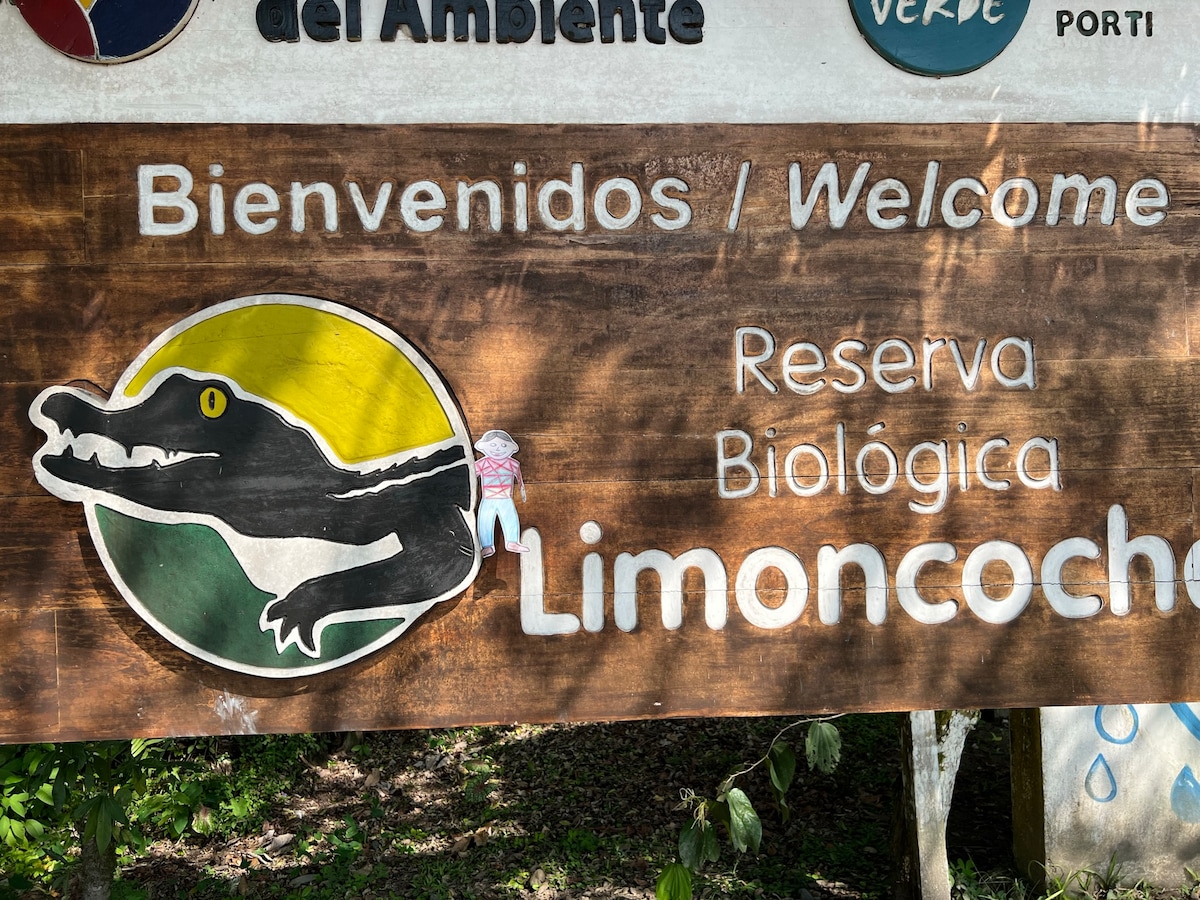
<point x="188" y="581"/>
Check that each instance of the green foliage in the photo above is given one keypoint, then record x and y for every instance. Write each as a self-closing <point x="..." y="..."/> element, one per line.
<point x="1102" y="884"/>
<point x="733" y="808"/>
<point x="675" y="883"/>
<point x="823" y="747"/>
<point x="968" y="883"/>
<point x="243" y="778"/>
<point x="698" y="845"/>
<point x="745" y="828"/>
<point x="781" y="765"/>
<point x="106" y="792"/>
<point x="491" y="827"/>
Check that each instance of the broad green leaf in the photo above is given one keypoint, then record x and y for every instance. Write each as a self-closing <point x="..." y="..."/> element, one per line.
<point x="781" y="761"/>
<point x="59" y="793"/>
<point x="116" y="811"/>
<point x="745" y="828"/>
<point x="710" y="851"/>
<point x="785" y="811"/>
<point x="33" y="760"/>
<point x="698" y="845"/>
<point x="104" y="828"/>
<point x="823" y="747"/>
<point x="675" y="883"/>
<point x="84" y="810"/>
<point x="690" y="839"/>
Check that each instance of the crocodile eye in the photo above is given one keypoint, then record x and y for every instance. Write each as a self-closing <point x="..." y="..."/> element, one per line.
<point x="213" y="402"/>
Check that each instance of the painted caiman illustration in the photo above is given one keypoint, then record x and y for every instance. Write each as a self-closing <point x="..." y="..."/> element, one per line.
<point x="331" y="543"/>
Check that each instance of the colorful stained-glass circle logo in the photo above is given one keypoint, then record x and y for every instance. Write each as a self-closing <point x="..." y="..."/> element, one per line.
<point x="107" y="31"/>
<point x="939" y="37"/>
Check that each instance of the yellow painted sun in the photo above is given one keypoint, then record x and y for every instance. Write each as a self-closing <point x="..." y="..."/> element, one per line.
<point x="354" y="386"/>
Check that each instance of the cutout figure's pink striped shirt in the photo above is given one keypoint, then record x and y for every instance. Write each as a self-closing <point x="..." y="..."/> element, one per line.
<point x="496" y="476"/>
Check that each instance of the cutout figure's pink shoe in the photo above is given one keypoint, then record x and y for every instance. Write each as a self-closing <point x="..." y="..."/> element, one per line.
<point x="514" y="547"/>
<point x="489" y="551"/>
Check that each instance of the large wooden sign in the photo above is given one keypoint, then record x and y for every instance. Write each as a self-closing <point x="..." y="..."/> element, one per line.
<point x="341" y="427"/>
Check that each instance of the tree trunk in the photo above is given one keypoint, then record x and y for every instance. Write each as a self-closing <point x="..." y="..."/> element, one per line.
<point x="97" y="868"/>
<point x="932" y="747"/>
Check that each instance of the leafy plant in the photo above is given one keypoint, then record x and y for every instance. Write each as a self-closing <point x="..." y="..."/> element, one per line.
<point x="967" y="882"/>
<point x="96" y="789"/>
<point x="1105" y="882"/>
<point x="732" y="807"/>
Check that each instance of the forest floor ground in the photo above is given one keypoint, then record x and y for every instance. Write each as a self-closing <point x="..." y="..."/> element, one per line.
<point x="563" y="812"/>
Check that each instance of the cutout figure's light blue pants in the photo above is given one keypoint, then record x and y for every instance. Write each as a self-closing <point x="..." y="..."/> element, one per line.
<point x="506" y="511"/>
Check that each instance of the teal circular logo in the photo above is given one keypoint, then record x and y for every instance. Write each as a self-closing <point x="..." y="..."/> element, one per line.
<point x="939" y="37"/>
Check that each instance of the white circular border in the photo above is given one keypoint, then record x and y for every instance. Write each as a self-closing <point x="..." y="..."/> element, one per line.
<point x="119" y="400"/>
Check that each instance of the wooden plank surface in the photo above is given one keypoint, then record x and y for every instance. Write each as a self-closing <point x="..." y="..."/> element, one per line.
<point x="611" y="356"/>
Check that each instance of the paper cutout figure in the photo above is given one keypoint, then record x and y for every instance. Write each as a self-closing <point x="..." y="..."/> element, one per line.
<point x="499" y="473"/>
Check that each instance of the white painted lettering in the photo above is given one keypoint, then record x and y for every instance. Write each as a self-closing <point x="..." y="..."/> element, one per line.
<point x="576" y="218"/>
<point x="877" y="202"/>
<point x="1122" y="550"/>
<point x="680" y="208"/>
<point x="495" y="203"/>
<point x="150" y="200"/>
<point x="739" y="462"/>
<point x="633" y="204"/>
<point x="827" y="180"/>
<point x="790" y="368"/>
<point x="997" y="610"/>
<point x="670" y="571"/>
<point x="300" y="195"/>
<point x="1083" y="198"/>
<point x="419" y="198"/>
<point x="747" y="362"/>
<point x="831" y="561"/>
<point x="1000" y="201"/>
<point x="1138" y="199"/>
<point x="1066" y="604"/>
<point x="881" y="368"/>
<point x="746" y="588"/>
<point x="950" y="211"/>
<point x="370" y="217"/>
<point x="859" y="375"/>
<point x="245" y="206"/>
<point x="909" y="594"/>
<point x="534" y="618"/>
<point x="1026" y="376"/>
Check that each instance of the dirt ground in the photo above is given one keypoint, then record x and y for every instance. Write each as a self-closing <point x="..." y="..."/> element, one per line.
<point x="579" y="812"/>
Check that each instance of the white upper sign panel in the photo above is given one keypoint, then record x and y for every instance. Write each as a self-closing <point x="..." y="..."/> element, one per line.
<point x="751" y="61"/>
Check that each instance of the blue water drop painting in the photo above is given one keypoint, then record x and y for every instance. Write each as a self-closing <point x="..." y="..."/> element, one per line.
<point x="1185" y="796"/>
<point x="1099" y="781"/>
<point x="1117" y="724"/>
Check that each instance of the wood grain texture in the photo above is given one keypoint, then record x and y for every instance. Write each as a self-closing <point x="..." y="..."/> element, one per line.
<point x="610" y="357"/>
